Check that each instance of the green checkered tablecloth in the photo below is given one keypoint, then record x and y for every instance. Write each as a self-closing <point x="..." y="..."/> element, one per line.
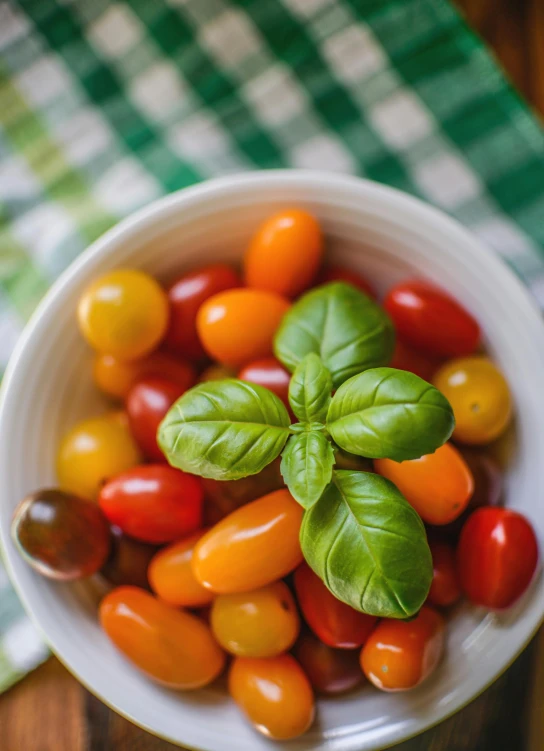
<point x="106" y="105"/>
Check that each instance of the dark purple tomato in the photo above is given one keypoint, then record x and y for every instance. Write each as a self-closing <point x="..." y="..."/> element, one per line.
<point x="330" y="671"/>
<point x="128" y="561"/>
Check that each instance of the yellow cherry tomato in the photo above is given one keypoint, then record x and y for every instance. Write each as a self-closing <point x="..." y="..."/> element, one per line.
<point x="479" y="396"/>
<point x="274" y="693"/>
<point x="94" y="451"/>
<point x="260" y="623"/>
<point x="124" y="313"/>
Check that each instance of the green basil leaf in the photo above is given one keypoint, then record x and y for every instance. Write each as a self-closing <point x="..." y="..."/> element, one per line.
<point x="390" y="413"/>
<point x="310" y="390"/>
<point x="305" y="427"/>
<point x="224" y="430"/>
<point x="306" y="466"/>
<point x="368" y="545"/>
<point x="347" y="329"/>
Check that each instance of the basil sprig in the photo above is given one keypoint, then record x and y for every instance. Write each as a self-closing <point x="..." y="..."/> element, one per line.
<point x="358" y="532"/>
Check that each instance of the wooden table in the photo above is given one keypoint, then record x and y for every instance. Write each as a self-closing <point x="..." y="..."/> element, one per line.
<point x="50" y="711"/>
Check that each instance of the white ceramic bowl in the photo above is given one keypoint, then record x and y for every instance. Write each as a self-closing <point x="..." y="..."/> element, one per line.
<point x="388" y="236"/>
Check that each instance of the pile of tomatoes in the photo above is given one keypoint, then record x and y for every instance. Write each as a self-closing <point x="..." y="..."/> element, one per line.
<point x="205" y="571"/>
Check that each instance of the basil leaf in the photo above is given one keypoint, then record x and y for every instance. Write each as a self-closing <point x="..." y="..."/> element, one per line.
<point x="306" y="466"/>
<point x="368" y="545"/>
<point x="347" y="329"/>
<point x="224" y="430"/>
<point x="390" y="413"/>
<point x="310" y="390"/>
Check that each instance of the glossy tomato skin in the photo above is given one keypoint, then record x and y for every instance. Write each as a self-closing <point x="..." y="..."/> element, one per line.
<point x="479" y="396"/>
<point x="284" y="254"/>
<point x="185" y="296"/>
<point x="405" y="358"/>
<point x="497" y="557"/>
<point x="438" y="485"/>
<point x="269" y="373"/>
<point x="399" y="655"/>
<point x="172" y="647"/>
<point x="260" y="623"/>
<point x="171" y="576"/>
<point x="330" y="671"/>
<point x="238" y="326"/>
<point x="335" y="273"/>
<point x="147" y="403"/>
<point x="123" y="313"/>
<point x="153" y="503"/>
<point x="429" y="320"/>
<point x="128" y="561"/>
<point x="116" y="378"/>
<point x="333" y="622"/>
<point x="95" y="450"/>
<point x="274" y="694"/>
<point x="60" y="535"/>
<point x="253" y="546"/>
<point x="445" y="588"/>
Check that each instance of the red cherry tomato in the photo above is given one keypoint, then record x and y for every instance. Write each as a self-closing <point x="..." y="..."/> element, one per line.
<point x="497" y="557"/>
<point x="153" y="503"/>
<point x="185" y="296"/>
<point x="430" y="320"/>
<point x="405" y="358"/>
<point x="268" y="373"/>
<point x="334" y="273"/>
<point x="334" y="622"/>
<point x="147" y="403"/>
<point x="330" y="671"/>
<point x="445" y="588"/>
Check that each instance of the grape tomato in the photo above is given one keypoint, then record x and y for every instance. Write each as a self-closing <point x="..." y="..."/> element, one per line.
<point x="335" y="273"/>
<point x="330" y="671"/>
<point x="147" y="403"/>
<point x="128" y="560"/>
<point x="269" y="373"/>
<point x="115" y="377"/>
<point x="445" y="588"/>
<point x="413" y="361"/>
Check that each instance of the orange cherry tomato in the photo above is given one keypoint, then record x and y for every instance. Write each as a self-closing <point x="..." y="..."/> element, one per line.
<point x="334" y="273"/>
<point x="269" y="373"/>
<point x="274" y="694"/>
<point x="147" y="403"/>
<point x="479" y="396"/>
<point x="172" y="647"/>
<point x="335" y="623"/>
<point x="405" y="358"/>
<point x="115" y="377"/>
<point x="238" y="326"/>
<point x="93" y="451"/>
<point x="438" y="486"/>
<point x="330" y="671"/>
<point x="255" y="545"/>
<point x="124" y="313"/>
<point x="399" y="655"/>
<point x="260" y="623"/>
<point x="285" y="253"/>
<point x="171" y="576"/>
<point x="445" y="588"/>
<point x="185" y="296"/>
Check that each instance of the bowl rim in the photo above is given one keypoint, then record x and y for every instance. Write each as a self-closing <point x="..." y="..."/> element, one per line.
<point x="429" y="216"/>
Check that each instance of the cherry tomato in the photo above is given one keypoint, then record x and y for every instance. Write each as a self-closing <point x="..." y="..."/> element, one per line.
<point x="497" y="557"/>
<point x="268" y="373"/>
<point x="238" y="326"/>
<point x="185" y="296"/>
<point x="147" y="403"/>
<point x="430" y="320"/>
<point x="216" y="373"/>
<point x="334" y="273"/>
<point x="115" y="377"/>
<point x="224" y="496"/>
<point x="172" y="647"/>
<point x="479" y="396"/>
<point x="60" y="535"/>
<point x="124" y="313"/>
<point x="93" y="451"/>
<point x="438" y="486"/>
<point x="445" y="588"/>
<point x="284" y="254"/>
<point x="251" y="547"/>
<point x="260" y="623"/>
<point x="128" y="561"/>
<point x="405" y="358"/>
<point x="335" y="623"/>
<point x="330" y="671"/>
<point x="171" y="576"/>
<point x="399" y="655"/>
<point x="274" y="694"/>
<point x="153" y="503"/>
